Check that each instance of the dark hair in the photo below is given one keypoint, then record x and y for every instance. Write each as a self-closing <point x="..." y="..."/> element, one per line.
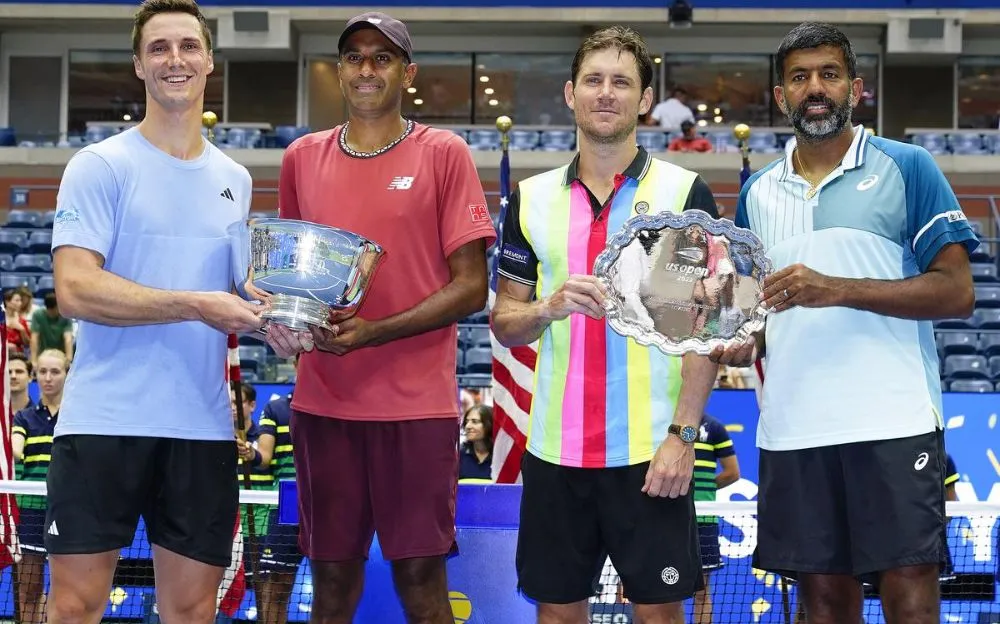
<point x="50" y="301"/>
<point x="811" y="35"/>
<point x="149" y="8"/>
<point x="249" y="392"/>
<point x="20" y="358"/>
<point x="486" y="416"/>
<point x="618" y="38"/>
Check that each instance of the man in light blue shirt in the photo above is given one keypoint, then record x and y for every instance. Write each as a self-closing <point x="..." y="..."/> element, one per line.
<point x="142" y="259"/>
<point x="869" y="244"/>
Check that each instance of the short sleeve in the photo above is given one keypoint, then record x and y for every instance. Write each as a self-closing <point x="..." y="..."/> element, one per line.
<point x="20" y="424"/>
<point x="463" y="214"/>
<point x="741" y="219"/>
<point x="268" y="425"/>
<point x="517" y="259"/>
<point x="950" y="472"/>
<point x="700" y="197"/>
<point x="86" y="204"/>
<point x="36" y="321"/>
<point x="719" y="438"/>
<point x="288" y="200"/>
<point x="934" y="216"/>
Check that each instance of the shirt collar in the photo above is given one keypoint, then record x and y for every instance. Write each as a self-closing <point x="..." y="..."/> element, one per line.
<point x="636" y="170"/>
<point x="854" y="158"/>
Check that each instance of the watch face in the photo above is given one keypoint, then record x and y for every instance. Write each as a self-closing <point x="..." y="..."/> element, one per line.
<point x="689" y="434"/>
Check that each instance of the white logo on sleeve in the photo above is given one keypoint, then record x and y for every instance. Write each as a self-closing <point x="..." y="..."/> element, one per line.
<point x="921" y="461"/>
<point x="868" y="182"/>
<point x="670" y="576"/>
<point x="53" y="530"/>
<point x="401" y="183"/>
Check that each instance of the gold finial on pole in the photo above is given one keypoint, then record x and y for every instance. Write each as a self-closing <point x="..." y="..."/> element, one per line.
<point x="742" y="132"/>
<point x="504" y="124"/>
<point x="208" y="120"/>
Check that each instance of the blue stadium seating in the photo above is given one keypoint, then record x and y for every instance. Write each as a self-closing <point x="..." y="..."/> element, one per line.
<point x="44" y="285"/>
<point x="39" y="242"/>
<point x="984" y="272"/>
<point x="23" y="219"/>
<point x="6" y="263"/>
<point x="966" y="367"/>
<point x="33" y="263"/>
<point x="478" y="361"/>
<point x="989" y="345"/>
<point x="987" y="318"/>
<point x="988" y="296"/>
<point x="253" y="358"/>
<point x="971" y="385"/>
<point x="959" y="343"/>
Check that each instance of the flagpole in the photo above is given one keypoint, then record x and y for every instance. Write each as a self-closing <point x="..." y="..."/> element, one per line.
<point x="208" y="120"/>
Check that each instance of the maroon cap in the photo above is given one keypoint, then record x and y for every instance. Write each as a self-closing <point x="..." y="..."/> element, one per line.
<point x="393" y="29"/>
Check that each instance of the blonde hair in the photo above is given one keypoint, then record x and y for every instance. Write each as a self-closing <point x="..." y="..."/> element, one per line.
<point x="56" y="353"/>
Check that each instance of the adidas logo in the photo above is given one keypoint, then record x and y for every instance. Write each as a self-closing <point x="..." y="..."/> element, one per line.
<point x="53" y="530"/>
<point x="227" y="194"/>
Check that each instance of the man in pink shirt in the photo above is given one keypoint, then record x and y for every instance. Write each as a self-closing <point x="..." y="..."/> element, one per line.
<point x="375" y="419"/>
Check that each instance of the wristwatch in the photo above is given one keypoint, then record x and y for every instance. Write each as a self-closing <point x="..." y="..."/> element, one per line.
<point x="687" y="433"/>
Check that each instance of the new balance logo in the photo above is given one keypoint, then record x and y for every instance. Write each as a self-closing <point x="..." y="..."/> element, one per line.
<point x="227" y="194"/>
<point x="53" y="530"/>
<point x="401" y="183"/>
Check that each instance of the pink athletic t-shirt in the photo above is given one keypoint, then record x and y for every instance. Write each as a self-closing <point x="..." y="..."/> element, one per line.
<point x="421" y="200"/>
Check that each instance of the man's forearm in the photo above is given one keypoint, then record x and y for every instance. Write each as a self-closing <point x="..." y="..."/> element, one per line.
<point x="103" y="297"/>
<point x="927" y="296"/>
<point x="457" y="300"/>
<point x="698" y="375"/>
<point x="518" y="322"/>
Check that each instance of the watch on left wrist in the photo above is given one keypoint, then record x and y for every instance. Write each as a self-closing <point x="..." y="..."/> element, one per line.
<point x="686" y="433"/>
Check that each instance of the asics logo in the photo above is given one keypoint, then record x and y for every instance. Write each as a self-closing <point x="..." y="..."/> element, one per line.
<point x="868" y="182"/>
<point x="921" y="461"/>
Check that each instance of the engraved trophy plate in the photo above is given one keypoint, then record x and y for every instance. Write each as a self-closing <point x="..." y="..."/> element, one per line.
<point x="308" y="269"/>
<point x="683" y="282"/>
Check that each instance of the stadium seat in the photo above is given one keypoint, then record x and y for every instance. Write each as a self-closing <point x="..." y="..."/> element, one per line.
<point x="933" y="142"/>
<point x="524" y="140"/>
<point x="484" y="140"/>
<point x="987" y="318"/>
<point x="981" y="254"/>
<point x="7" y="137"/>
<point x="253" y="358"/>
<point x="22" y="219"/>
<point x="459" y="361"/>
<point x="652" y="140"/>
<point x="48" y="219"/>
<point x="967" y="144"/>
<point x="966" y="367"/>
<point x="285" y="135"/>
<point x="763" y="143"/>
<point x="722" y="140"/>
<point x="6" y="262"/>
<point x="984" y="272"/>
<point x="479" y="337"/>
<point x="33" y="263"/>
<point x="958" y="323"/>
<point x="995" y="367"/>
<point x="959" y="343"/>
<point x="988" y="296"/>
<point x="16" y="280"/>
<point x="237" y="138"/>
<point x="989" y="344"/>
<point x="557" y="140"/>
<point x="478" y="361"/>
<point x="40" y="242"/>
<point x="44" y="285"/>
<point x="462" y="133"/>
<point x="479" y="318"/>
<point x="971" y="385"/>
<point x="13" y="242"/>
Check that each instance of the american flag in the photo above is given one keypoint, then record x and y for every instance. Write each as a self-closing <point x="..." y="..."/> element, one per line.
<point x="11" y="552"/>
<point x="234" y="585"/>
<point x="513" y="372"/>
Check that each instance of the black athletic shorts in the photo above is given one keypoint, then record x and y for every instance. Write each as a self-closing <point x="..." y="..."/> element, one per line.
<point x="854" y="509"/>
<point x="573" y="519"/>
<point x="186" y="492"/>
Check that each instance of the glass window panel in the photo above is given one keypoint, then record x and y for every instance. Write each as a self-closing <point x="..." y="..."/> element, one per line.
<point x="527" y="87"/>
<point x="441" y="92"/>
<point x="978" y="92"/>
<point x="103" y="87"/>
<point x="724" y="89"/>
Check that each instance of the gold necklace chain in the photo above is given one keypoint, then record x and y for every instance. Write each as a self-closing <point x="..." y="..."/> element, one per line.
<point x="813" y="186"/>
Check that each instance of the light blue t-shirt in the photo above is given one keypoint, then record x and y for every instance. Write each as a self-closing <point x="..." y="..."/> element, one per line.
<point x="838" y="375"/>
<point x="159" y="222"/>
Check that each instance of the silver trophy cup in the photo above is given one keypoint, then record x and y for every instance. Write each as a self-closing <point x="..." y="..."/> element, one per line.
<point x="308" y="269"/>
<point x="683" y="282"/>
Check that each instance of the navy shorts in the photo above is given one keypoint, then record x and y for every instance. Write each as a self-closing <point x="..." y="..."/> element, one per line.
<point x="280" y="551"/>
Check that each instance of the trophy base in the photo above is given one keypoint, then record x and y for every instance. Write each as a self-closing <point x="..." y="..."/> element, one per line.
<point x="297" y="313"/>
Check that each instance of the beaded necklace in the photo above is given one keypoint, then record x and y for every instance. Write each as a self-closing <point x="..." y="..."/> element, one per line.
<point x="356" y="154"/>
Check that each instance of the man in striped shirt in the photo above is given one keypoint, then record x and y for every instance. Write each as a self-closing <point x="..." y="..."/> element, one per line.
<point x="610" y="453"/>
<point x="869" y="245"/>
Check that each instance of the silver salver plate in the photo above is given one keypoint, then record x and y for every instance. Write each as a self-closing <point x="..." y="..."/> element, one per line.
<point x="683" y="282"/>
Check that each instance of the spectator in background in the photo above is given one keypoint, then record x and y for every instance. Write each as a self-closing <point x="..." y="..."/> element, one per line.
<point x="19" y="372"/>
<point x="672" y="112"/>
<point x="31" y="441"/>
<point x="281" y="557"/>
<point x="27" y="301"/>
<point x="259" y="457"/>
<point x="690" y="141"/>
<point x="51" y="330"/>
<point x="476" y="455"/>
<point x="714" y="447"/>
<point x="18" y="329"/>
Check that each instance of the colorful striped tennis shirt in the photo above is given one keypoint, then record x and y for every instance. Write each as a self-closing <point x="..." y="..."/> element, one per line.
<point x="600" y="399"/>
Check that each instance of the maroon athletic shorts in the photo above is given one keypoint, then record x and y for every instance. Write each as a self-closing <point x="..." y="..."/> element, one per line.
<point x="356" y="478"/>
